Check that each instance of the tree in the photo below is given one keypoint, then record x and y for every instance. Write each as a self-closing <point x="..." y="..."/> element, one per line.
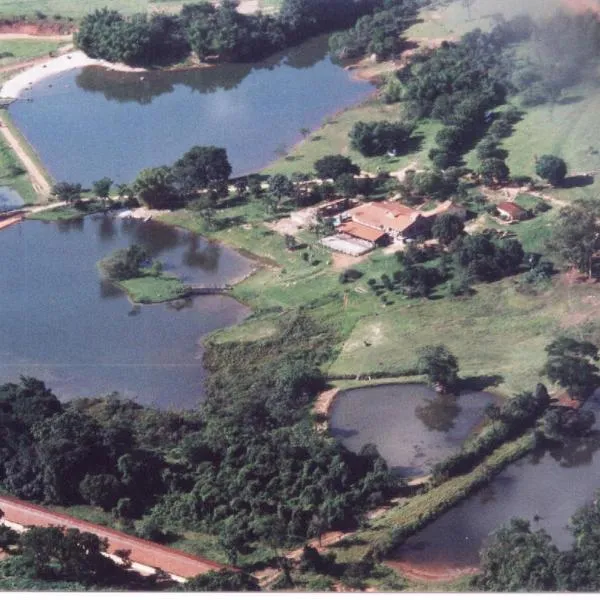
<point x="378" y="137"/>
<point x="334" y="165"/>
<point x="222" y="581"/>
<point x="551" y="168"/>
<point x="155" y="187"/>
<point x="440" y="366"/>
<point x="493" y="171"/>
<point x="281" y="186"/>
<point x="201" y="167"/>
<point x="125" y="263"/>
<point x="101" y="188"/>
<point x="447" y="227"/>
<point x="576" y="234"/>
<point x="67" y="192"/>
<point x="67" y="555"/>
<point x="101" y="490"/>
<point x="571" y="364"/>
<point x="346" y="185"/>
<point x="8" y="537"/>
<point x="518" y="559"/>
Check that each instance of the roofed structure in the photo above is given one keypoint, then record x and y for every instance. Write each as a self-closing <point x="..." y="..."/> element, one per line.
<point x="511" y="211"/>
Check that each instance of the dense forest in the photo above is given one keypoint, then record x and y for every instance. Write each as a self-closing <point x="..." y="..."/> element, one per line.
<point x="248" y="465"/>
<point x="217" y="31"/>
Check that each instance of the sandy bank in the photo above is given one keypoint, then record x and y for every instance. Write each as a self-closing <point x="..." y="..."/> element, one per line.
<point x="74" y="60"/>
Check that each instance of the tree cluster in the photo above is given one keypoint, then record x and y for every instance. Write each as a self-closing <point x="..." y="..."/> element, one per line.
<point x="519" y="559"/>
<point x="459" y="84"/>
<point x="212" y="31"/>
<point x="201" y="170"/>
<point x="374" y="138"/>
<point x="378" y="34"/>
<point x="124" y="263"/>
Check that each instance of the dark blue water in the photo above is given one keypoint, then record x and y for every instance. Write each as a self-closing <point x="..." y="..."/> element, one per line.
<point x="91" y="123"/>
<point x="61" y="323"/>
<point x="9" y="199"/>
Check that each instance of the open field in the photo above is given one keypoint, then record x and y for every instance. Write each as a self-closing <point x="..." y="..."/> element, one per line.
<point x="25" y="49"/>
<point x="453" y="18"/>
<point x="498" y="332"/>
<point x="77" y="9"/>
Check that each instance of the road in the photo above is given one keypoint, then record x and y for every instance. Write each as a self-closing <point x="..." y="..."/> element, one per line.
<point x="40" y="184"/>
<point x="143" y="552"/>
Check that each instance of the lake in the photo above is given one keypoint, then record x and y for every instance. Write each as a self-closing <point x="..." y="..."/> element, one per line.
<point x="89" y="123"/>
<point x="61" y="323"/>
<point x="412" y="426"/>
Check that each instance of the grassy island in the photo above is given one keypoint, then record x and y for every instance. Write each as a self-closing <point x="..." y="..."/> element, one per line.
<point x="151" y="288"/>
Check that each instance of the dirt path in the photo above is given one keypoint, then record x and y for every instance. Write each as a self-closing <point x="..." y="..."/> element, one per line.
<point x="40" y="184"/>
<point x="143" y="552"/>
<point x="428" y="573"/>
<point x="30" y="36"/>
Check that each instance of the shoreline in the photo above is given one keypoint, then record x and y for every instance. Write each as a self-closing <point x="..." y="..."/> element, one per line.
<point x="14" y="87"/>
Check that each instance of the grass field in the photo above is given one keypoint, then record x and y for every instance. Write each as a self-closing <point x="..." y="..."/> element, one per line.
<point x="453" y="18"/>
<point x="332" y="138"/>
<point x="77" y="8"/>
<point x="150" y="289"/>
<point x="25" y="49"/>
<point x="12" y="174"/>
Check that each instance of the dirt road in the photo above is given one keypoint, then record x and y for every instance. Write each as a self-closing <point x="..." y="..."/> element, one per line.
<point x="143" y="552"/>
<point x="40" y="184"/>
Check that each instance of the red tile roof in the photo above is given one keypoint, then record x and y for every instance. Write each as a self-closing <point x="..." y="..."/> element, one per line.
<point x="512" y="209"/>
<point x="362" y="232"/>
<point x="384" y="216"/>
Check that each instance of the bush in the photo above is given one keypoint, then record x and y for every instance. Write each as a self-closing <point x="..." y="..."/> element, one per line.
<point x="350" y="275"/>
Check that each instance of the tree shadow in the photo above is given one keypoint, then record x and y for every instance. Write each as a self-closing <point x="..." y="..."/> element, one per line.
<point x="343" y="433"/>
<point x="481" y="382"/>
<point x="570" y="100"/>
<point x="577" y="181"/>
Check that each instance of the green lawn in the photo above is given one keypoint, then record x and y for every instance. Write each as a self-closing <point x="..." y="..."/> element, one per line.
<point x="499" y="331"/>
<point x="151" y="289"/>
<point x="570" y="130"/>
<point x="453" y="18"/>
<point x="12" y="174"/>
<point x="77" y="8"/>
<point x="332" y="138"/>
<point x="25" y="49"/>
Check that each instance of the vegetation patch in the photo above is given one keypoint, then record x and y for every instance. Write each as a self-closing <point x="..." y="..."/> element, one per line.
<point x="151" y="288"/>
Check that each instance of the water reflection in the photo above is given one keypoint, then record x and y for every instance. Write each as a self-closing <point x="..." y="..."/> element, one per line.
<point x="202" y="255"/>
<point x="438" y="414"/>
<point x="131" y="87"/>
<point x="411" y="425"/>
<point x="546" y="487"/>
<point x="116" y="124"/>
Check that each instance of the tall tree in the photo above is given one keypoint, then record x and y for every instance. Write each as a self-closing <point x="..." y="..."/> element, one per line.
<point x="155" y="187"/>
<point x="570" y="363"/>
<point x="201" y="167"/>
<point x="576" y="234"/>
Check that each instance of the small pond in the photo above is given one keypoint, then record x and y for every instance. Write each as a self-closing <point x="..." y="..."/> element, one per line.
<point x="412" y="426"/>
<point x="545" y="487"/>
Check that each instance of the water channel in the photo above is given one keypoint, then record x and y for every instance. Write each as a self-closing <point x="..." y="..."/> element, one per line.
<point x="90" y="123"/>
<point x="61" y="323"/>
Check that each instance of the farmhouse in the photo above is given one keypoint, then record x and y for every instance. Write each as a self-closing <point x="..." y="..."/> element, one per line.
<point x="511" y="212"/>
<point x="391" y="218"/>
